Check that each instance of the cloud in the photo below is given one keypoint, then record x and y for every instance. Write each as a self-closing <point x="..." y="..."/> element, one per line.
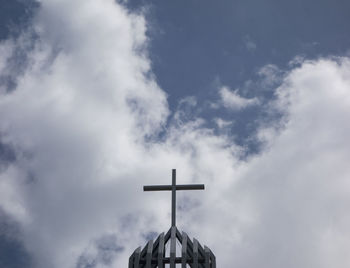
<point x="232" y="100"/>
<point x="221" y="123"/>
<point x="186" y="110"/>
<point x="271" y="75"/>
<point x="83" y="123"/>
<point x="249" y="43"/>
<point x="74" y="121"/>
<point x="301" y="181"/>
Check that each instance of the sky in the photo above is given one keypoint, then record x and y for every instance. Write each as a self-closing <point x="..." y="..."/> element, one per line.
<point x="98" y="98"/>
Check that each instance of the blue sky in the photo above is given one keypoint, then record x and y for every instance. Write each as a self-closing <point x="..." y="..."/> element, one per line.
<point x="214" y="38"/>
<point x="196" y="46"/>
<point x="98" y="98"/>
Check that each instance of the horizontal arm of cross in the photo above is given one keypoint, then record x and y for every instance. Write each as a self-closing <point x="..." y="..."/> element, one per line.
<point x="178" y="187"/>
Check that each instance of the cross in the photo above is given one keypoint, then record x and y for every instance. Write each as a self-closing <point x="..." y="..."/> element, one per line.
<point x="173" y="188"/>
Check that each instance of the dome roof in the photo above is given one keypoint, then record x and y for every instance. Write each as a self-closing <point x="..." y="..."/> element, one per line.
<point x="154" y="252"/>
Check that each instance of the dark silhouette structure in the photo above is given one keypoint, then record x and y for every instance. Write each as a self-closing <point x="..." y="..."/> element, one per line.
<point x="154" y="252"/>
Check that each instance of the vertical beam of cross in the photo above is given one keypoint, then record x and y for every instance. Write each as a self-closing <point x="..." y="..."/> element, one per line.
<point x="173" y="188"/>
<point x="173" y="198"/>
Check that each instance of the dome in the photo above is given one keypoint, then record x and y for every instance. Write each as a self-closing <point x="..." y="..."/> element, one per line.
<point x="154" y="253"/>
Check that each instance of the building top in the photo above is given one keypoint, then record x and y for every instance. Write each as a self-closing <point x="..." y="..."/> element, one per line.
<point x="154" y="253"/>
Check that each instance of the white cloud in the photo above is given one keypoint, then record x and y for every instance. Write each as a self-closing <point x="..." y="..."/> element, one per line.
<point x="232" y="100"/>
<point x="221" y="123"/>
<point x="301" y="182"/>
<point x="185" y="110"/>
<point x="249" y="43"/>
<point x="75" y="120"/>
<point x="78" y="120"/>
<point x="5" y="50"/>
<point x="271" y="75"/>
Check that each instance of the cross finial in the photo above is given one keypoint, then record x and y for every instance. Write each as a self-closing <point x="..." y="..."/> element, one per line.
<point x="173" y="188"/>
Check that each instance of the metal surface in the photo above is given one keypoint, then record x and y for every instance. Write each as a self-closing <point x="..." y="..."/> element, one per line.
<point x="161" y="251"/>
<point x="173" y="188"/>
<point x="173" y="247"/>
<point x="184" y="250"/>
<point x="149" y="254"/>
<point x="154" y="253"/>
<point x="207" y="257"/>
<point x="173" y="200"/>
<point x="178" y="187"/>
<point x="195" y="253"/>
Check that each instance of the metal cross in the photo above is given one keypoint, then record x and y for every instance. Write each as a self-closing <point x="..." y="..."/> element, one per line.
<point x="173" y="188"/>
